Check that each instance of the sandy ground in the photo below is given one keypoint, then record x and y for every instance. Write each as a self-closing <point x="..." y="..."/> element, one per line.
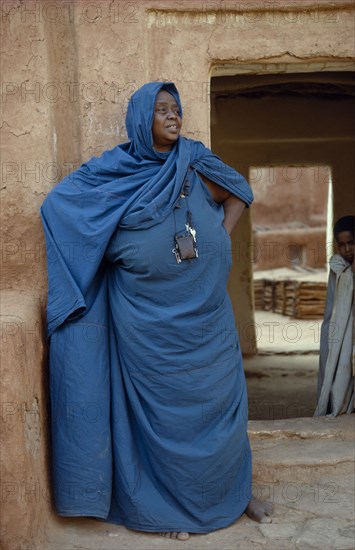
<point x="281" y="334"/>
<point x="282" y="378"/>
<point x="281" y="386"/>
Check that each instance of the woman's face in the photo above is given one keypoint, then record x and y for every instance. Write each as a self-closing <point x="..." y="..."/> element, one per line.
<point x="167" y="122"/>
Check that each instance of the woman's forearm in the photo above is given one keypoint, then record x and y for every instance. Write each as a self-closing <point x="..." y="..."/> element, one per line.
<point x="233" y="209"/>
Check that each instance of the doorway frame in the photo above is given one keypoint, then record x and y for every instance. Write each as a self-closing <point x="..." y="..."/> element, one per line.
<point x="218" y="69"/>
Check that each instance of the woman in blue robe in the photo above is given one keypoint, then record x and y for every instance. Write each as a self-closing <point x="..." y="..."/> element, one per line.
<point x="148" y="395"/>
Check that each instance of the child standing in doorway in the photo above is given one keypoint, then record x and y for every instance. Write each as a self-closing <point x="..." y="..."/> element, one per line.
<point x="335" y="390"/>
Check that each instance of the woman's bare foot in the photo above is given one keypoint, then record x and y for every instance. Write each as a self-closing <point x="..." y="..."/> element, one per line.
<point x="259" y="510"/>
<point x="176" y="535"/>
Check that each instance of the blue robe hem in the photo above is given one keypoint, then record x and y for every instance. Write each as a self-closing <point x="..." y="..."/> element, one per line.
<point x="180" y="528"/>
<point x="83" y="514"/>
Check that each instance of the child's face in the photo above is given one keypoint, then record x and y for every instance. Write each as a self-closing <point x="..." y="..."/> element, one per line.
<point x="345" y="242"/>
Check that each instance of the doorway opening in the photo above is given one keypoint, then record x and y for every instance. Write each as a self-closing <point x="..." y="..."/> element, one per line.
<point x="290" y="135"/>
<point x="290" y="225"/>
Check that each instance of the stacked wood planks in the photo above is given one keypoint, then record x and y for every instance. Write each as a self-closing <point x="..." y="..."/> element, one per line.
<point x="308" y="299"/>
<point x="269" y="294"/>
<point x="279" y="299"/>
<point x="259" y="293"/>
<point x="301" y="295"/>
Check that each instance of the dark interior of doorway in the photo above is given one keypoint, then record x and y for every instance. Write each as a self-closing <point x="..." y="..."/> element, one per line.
<point x="283" y="119"/>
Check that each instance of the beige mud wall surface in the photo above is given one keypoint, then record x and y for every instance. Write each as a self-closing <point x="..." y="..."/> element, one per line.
<point x="68" y="69"/>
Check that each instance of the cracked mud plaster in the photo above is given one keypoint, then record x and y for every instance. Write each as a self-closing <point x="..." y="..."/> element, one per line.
<point x="17" y="132"/>
<point x="31" y="426"/>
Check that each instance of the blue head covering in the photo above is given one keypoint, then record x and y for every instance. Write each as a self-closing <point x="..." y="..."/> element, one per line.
<point x="140" y="116"/>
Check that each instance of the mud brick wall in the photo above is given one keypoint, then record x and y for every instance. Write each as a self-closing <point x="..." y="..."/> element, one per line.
<point x="68" y="69"/>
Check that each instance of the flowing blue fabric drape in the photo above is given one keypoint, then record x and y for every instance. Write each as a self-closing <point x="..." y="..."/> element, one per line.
<point x="127" y="189"/>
